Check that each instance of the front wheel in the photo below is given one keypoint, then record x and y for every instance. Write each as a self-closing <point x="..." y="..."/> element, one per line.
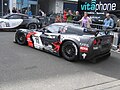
<point x="32" y="26"/>
<point x="20" y="39"/>
<point x="69" y="51"/>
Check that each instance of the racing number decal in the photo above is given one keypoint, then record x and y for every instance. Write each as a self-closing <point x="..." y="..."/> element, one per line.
<point x="37" y="42"/>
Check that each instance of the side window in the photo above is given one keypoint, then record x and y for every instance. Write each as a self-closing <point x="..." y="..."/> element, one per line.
<point x="71" y="30"/>
<point x="53" y="28"/>
<point x="24" y="17"/>
<point x="14" y="17"/>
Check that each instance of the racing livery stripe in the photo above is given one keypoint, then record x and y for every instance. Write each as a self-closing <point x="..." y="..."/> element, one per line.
<point x="57" y="46"/>
<point x="30" y="43"/>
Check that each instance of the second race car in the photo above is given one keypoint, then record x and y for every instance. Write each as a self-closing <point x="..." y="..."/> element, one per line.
<point x="67" y="40"/>
<point x="7" y="24"/>
<point x="17" y="20"/>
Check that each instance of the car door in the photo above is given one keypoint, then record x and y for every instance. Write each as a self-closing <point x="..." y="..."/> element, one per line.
<point x="14" y="20"/>
<point x="26" y="20"/>
<point x="51" y="37"/>
<point x="10" y="23"/>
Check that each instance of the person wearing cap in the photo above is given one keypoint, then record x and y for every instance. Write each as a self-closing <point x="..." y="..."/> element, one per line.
<point x="85" y="21"/>
<point x="108" y="22"/>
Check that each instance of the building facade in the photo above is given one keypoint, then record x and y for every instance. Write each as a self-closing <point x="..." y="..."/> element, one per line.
<point x="4" y="4"/>
<point x="57" y="6"/>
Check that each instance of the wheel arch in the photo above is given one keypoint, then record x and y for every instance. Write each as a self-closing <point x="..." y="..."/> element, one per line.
<point x="30" y="24"/>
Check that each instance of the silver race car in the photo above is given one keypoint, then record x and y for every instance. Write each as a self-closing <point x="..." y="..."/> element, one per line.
<point x="68" y="40"/>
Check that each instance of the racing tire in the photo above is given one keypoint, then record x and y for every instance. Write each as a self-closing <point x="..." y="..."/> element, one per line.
<point x="69" y="51"/>
<point x="20" y="39"/>
<point x="32" y="26"/>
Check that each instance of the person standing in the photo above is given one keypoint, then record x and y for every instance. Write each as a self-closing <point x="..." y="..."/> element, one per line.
<point x="85" y="21"/>
<point x="41" y="13"/>
<point x="29" y="13"/>
<point x="64" y="15"/>
<point x="108" y="22"/>
<point x="14" y="10"/>
<point x="69" y="15"/>
<point x="77" y="16"/>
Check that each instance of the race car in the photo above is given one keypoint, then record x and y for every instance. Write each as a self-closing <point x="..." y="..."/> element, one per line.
<point x="17" y="20"/>
<point x="68" y="40"/>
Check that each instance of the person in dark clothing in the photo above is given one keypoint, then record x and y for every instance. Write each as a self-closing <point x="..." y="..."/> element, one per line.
<point x="58" y="19"/>
<point x="40" y="12"/>
<point x="77" y="16"/>
<point x="14" y="10"/>
<point x="8" y="11"/>
<point x="23" y="11"/>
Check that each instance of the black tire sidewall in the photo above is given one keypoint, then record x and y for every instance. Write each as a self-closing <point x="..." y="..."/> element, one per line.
<point x="17" y="39"/>
<point x="75" y="56"/>
<point x="32" y="24"/>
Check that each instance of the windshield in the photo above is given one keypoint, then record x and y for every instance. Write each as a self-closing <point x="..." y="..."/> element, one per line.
<point x="53" y="28"/>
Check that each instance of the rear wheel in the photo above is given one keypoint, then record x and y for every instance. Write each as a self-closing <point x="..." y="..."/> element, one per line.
<point x="20" y="39"/>
<point x="32" y="26"/>
<point x="69" y="51"/>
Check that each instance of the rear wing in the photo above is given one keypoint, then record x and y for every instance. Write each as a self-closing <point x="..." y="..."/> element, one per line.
<point x="99" y="29"/>
<point x="96" y="31"/>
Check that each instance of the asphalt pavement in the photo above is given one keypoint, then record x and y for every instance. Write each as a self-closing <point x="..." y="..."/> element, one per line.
<point x="25" y="68"/>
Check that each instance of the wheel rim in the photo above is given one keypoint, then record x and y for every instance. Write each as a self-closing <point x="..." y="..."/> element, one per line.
<point x="69" y="50"/>
<point x="21" y="38"/>
<point x="33" y="26"/>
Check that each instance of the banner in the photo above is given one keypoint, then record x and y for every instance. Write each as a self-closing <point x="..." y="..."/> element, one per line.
<point x="98" y="5"/>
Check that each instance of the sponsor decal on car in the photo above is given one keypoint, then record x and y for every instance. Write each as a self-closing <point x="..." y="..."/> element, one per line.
<point x="84" y="55"/>
<point x="84" y="44"/>
<point x="95" y="48"/>
<point x="57" y="46"/>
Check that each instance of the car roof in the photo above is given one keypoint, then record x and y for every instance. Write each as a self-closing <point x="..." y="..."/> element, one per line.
<point x="19" y="14"/>
<point x="62" y="24"/>
<point x="15" y="14"/>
